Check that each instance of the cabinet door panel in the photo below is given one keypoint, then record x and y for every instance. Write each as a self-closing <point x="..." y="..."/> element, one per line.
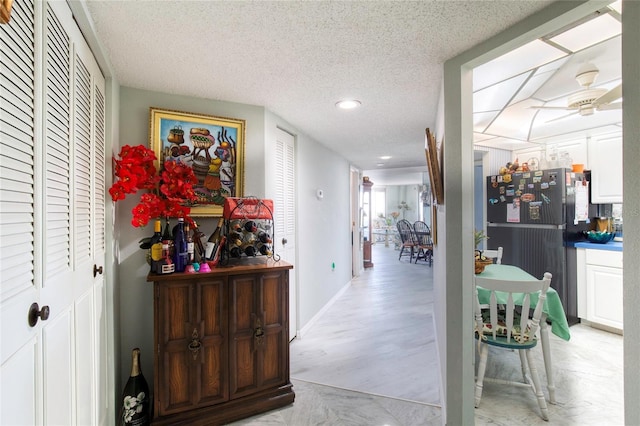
<point x="244" y="320"/>
<point x="273" y="304"/>
<point x="174" y="318"/>
<point x="604" y="287"/>
<point x="211" y="367"/>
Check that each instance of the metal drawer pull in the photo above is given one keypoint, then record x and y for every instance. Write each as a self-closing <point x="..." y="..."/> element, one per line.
<point x="258" y="333"/>
<point x="195" y="344"/>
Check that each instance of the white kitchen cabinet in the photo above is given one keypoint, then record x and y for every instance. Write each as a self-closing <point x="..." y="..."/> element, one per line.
<point x="605" y="161"/>
<point x="600" y="287"/>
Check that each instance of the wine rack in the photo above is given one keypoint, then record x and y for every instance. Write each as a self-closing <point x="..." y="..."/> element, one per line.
<point x="248" y="229"/>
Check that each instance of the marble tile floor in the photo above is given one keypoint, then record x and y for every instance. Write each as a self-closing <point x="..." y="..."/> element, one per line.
<point x="588" y="368"/>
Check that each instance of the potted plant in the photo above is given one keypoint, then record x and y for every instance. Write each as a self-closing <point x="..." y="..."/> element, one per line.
<point x="480" y="260"/>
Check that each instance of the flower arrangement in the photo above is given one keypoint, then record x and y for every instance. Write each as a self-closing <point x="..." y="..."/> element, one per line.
<point x="168" y="192"/>
<point x="403" y="206"/>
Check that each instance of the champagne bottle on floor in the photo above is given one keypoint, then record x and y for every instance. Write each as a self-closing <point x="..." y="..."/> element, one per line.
<point x="135" y="409"/>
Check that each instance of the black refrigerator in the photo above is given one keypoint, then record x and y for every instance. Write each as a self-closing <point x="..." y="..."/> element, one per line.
<point x="532" y="216"/>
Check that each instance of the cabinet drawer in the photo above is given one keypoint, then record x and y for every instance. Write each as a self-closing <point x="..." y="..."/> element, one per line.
<point x="612" y="259"/>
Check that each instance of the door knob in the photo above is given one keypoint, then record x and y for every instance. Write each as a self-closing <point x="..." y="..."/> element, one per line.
<point x="35" y="313"/>
<point x="97" y="270"/>
<point x="284" y="241"/>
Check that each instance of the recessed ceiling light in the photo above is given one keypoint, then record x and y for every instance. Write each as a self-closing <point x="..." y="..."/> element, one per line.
<point x="380" y="164"/>
<point x="385" y="157"/>
<point x="348" y="104"/>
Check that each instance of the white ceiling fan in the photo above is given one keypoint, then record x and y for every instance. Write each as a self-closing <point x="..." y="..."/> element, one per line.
<point x="588" y="100"/>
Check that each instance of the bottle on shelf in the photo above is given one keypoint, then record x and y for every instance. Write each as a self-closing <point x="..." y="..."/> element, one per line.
<point x="234" y="239"/>
<point x="218" y="251"/>
<point x="264" y="237"/>
<point x="156" y="246"/>
<point x="135" y="410"/>
<point x="264" y="249"/>
<point x="199" y="247"/>
<point x="235" y="251"/>
<point x="214" y="240"/>
<point x="250" y="250"/>
<point x="180" y="246"/>
<point x="235" y="225"/>
<point x="167" y="235"/>
<point x="190" y="245"/>
<point x="250" y="226"/>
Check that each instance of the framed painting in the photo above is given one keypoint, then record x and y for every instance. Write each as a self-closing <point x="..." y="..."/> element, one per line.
<point x="212" y="146"/>
<point x="433" y="165"/>
<point x="5" y="11"/>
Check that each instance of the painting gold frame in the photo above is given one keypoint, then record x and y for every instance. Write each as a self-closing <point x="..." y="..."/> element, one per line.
<point x="435" y="174"/>
<point x="212" y="146"/>
<point x="5" y="11"/>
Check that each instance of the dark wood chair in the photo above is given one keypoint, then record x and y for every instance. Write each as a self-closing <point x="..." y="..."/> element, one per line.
<point x="407" y="238"/>
<point x="424" y="243"/>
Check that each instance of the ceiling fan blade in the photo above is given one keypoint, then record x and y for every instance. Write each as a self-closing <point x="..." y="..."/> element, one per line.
<point x="561" y="117"/>
<point x="551" y="107"/>
<point x="610" y="96"/>
<point x="605" y="107"/>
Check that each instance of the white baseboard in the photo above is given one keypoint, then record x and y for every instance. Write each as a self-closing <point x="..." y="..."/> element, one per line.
<point x="316" y="317"/>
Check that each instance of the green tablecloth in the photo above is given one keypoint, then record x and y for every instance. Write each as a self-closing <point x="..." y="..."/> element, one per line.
<point x="552" y="305"/>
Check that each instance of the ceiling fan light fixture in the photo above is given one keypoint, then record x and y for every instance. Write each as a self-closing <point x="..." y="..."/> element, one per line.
<point x="587" y="78"/>
<point x="348" y="104"/>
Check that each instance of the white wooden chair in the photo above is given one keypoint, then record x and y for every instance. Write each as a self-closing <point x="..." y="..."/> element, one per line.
<point x="511" y="328"/>
<point x="494" y="254"/>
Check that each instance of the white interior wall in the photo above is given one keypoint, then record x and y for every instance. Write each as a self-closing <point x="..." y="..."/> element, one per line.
<point x="324" y="232"/>
<point x="323" y="225"/>
<point x="631" y="158"/>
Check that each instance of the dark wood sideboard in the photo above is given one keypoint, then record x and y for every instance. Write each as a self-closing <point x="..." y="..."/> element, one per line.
<point x="221" y="343"/>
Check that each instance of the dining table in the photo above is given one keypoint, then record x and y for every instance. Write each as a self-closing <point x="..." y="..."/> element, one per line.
<point x="553" y="311"/>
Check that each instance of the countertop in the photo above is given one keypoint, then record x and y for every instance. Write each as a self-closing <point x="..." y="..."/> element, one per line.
<point x="610" y="246"/>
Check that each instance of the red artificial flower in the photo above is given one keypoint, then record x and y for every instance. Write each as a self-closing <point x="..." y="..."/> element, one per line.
<point x="170" y="190"/>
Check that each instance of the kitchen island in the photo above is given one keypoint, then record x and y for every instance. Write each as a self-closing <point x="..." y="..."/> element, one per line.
<point x="599" y="279"/>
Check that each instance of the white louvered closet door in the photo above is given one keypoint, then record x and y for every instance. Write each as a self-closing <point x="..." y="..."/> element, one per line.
<point x="285" y="216"/>
<point x="53" y="190"/>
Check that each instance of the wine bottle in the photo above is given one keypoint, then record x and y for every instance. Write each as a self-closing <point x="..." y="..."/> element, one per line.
<point x="218" y="251"/>
<point x="197" y="239"/>
<point x="263" y="237"/>
<point x="235" y="251"/>
<point x="234" y="239"/>
<point x="156" y="246"/>
<point x="250" y="250"/>
<point x="213" y="240"/>
<point x="264" y="249"/>
<point x="190" y="245"/>
<point x="250" y="226"/>
<point x="136" y="405"/>
<point x="180" y="246"/>
<point x="236" y="225"/>
<point x="167" y="235"/>
<point x="166" y="264"/>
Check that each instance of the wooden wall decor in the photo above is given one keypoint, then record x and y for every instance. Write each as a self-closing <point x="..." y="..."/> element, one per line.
<point x="435" y="174"/>
<point x="5" y="11"/>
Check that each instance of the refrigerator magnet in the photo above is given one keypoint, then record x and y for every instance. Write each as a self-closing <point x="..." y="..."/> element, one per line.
<point x="510" y="192"/>
<point x="502" y="188"/>
<point x="534" y="212"/>
<point x="544" y="185"/>
<point x="546" y="199"/>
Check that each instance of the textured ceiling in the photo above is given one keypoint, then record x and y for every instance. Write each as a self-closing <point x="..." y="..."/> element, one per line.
<point x="298" y="58"/>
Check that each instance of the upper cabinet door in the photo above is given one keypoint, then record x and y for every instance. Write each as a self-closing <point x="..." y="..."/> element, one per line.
<point x="605" y="160"/>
